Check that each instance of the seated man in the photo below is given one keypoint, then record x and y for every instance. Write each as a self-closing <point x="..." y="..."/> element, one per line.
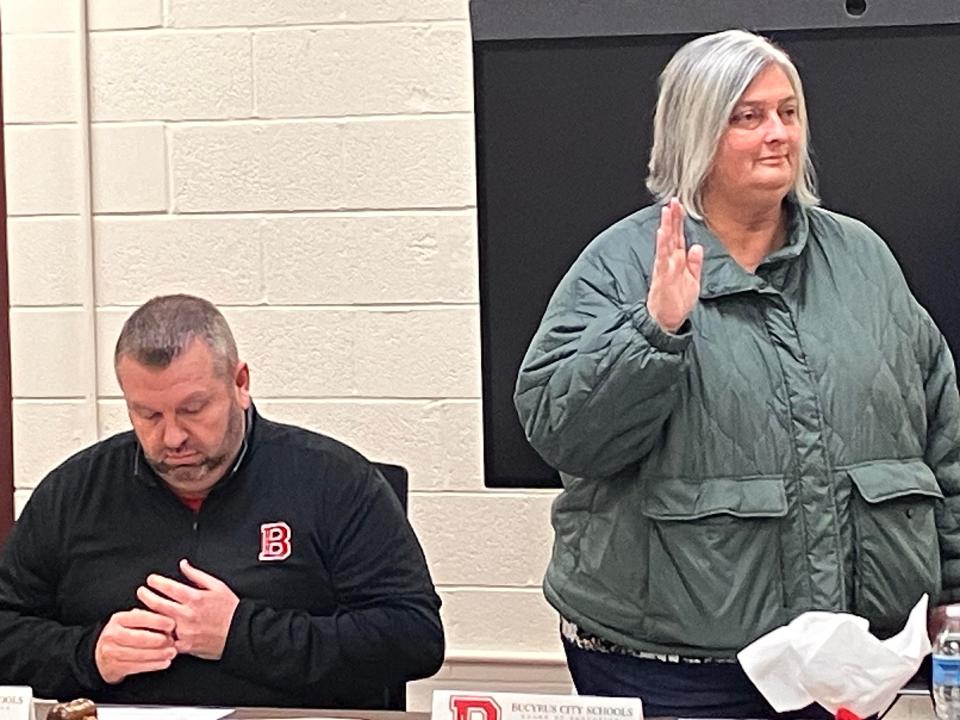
<point x="212" y="556"/>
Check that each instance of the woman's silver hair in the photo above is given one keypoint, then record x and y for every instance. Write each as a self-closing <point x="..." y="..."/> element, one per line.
<point x="162" y="328"/>
<point x="699" y="89"/>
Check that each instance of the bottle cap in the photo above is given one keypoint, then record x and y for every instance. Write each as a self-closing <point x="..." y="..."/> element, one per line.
<point x="844" y="714"/>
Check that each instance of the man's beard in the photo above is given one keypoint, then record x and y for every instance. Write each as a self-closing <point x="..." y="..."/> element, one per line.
<point x="184" y="474"/>
<point x="208" y="465"/>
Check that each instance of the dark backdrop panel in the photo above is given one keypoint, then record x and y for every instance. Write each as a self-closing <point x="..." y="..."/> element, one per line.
<point x="529" y="19"/>
<point x="563" y="136"/>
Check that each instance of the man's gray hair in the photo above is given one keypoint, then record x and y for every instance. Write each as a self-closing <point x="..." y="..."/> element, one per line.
<point x="162" y="328"/>
<point x="699" y="89"/>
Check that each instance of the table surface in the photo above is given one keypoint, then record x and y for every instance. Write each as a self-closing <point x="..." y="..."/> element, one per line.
<point x="42" y="707"/>
<point x="294" y="713"/>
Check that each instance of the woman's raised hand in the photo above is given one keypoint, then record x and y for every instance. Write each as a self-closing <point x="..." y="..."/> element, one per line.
<point x="675" y="280"/>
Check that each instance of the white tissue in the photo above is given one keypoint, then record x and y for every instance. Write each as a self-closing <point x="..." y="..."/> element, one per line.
<point x="832" y="659"/>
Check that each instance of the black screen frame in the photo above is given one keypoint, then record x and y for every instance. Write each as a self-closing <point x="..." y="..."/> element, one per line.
<point x="533" y="26"/>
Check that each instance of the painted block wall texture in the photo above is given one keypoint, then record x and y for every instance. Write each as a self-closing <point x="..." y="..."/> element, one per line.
<point x="309" y="166"/>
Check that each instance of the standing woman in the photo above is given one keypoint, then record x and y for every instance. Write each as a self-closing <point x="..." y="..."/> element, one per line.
<point x="751" y="414"/>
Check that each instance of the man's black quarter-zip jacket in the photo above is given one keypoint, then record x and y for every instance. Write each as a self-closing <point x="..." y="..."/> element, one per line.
<point x="332" y="610"/>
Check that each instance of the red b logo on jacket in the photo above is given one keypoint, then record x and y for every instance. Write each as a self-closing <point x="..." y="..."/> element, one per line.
<point x="274" y="541"/>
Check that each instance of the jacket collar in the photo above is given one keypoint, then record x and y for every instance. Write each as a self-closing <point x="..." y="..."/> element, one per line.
<point x="722" y="275"/>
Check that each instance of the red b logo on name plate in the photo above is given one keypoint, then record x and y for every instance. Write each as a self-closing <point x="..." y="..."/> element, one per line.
<point x="475" y="707"/>
<point x="274" y="541"/>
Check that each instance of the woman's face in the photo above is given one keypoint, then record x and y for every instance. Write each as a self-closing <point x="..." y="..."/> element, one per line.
<point x="758" y="153"/>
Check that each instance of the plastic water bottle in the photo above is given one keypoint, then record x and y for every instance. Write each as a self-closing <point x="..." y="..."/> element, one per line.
<point x="946" y="667"/>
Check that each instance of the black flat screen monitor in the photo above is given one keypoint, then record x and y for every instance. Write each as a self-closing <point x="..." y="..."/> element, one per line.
<point x="563" y="127"/>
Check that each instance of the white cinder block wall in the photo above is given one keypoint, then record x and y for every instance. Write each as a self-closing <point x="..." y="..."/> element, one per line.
<point x="308" y="166"/>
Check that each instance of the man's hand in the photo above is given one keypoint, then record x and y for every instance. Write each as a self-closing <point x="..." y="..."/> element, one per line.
<point x="202" y="614"/>
<point x="134" y="641"/>
<point x="675" y="278"/>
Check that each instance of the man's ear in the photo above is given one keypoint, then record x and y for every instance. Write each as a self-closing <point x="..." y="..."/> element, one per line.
<point x="241" y="384"/>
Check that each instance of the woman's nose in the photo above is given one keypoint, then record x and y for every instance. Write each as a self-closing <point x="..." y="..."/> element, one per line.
<point x="775" y="129"/>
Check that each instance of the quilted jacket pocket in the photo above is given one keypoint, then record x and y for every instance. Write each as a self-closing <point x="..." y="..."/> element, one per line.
<point x="896" y="549"/>
<point x="714" y="561"/>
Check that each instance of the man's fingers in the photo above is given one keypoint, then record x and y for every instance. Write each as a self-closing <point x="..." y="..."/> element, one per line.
<point x="198" y="577"/>
<point x="132" y="667"/>
<point x="145" y="639"/>
<point x="145" y="620"/>
<point x="134" y="641"/>
<point x="127" y="654"/>
<point x="174" y="590"/>
<point x="158" y="603"/>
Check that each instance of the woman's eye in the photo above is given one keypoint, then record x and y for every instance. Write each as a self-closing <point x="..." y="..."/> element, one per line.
<point x="746" y="118"/>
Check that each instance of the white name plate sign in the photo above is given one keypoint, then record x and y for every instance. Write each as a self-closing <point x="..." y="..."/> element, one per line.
<point x="16" y="702"/>
<point x="470" y="705"/>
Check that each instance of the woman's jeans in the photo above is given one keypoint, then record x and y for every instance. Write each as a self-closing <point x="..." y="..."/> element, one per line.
<point x="684" y="690"/>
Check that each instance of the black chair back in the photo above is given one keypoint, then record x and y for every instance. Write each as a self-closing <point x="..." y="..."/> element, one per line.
<point x="395" y="698"/>
<point x="397" y="476"/>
